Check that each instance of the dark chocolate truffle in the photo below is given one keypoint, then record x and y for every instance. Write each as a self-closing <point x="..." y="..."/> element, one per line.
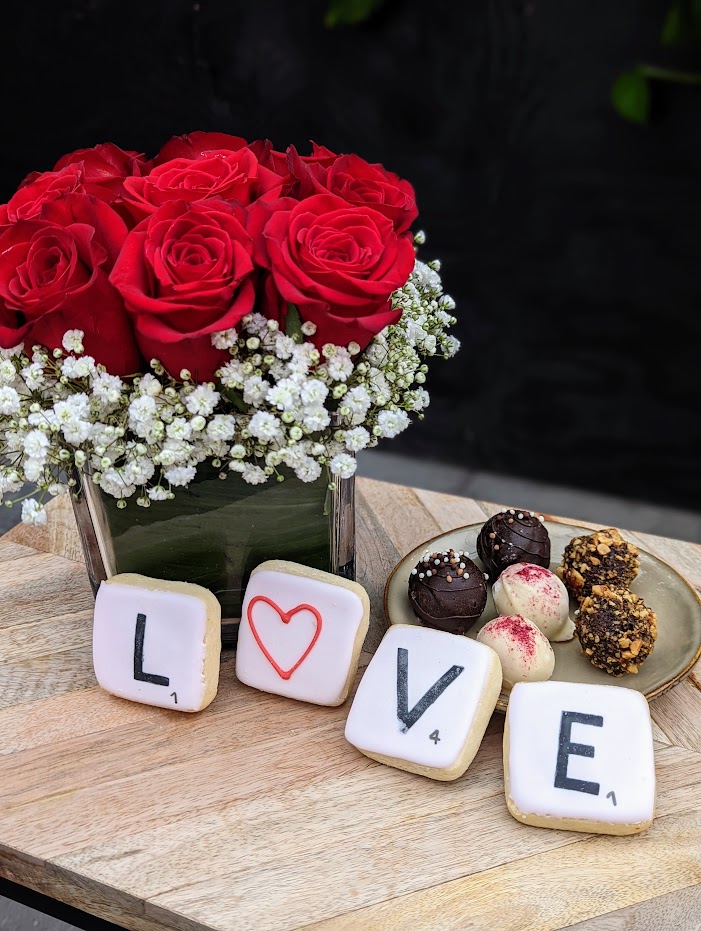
<point x="511" y="537"/>
<point x="616" y="629"/>
<point x="447" y="591"/>
<point x="602" y="558"/>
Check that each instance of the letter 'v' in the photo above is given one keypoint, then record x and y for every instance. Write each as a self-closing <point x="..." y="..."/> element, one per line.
<point x="407" y="716"/>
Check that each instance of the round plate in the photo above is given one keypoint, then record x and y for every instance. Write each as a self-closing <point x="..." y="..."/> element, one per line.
<point x="675" y="602"/>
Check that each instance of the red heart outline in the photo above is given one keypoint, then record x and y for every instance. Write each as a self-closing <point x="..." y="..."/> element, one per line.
<point x="285" y="617"/>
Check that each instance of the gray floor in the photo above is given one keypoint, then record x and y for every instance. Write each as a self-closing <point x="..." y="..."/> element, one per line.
<point x="521" y="493"/>
<point x="16" y="917"/>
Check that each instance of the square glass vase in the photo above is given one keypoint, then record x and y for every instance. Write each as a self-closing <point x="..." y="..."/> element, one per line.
<point x="215" y="532"/>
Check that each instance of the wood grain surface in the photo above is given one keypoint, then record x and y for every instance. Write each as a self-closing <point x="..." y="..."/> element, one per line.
<point x="256" y="813"/>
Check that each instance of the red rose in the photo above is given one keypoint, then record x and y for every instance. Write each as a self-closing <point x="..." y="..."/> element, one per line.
<point x="279" y="162"/>
<point x="231" y="175"/>
<point x="196" y="145"/>
<point x="54" y="277"/>
<point x="37" y="189"/>
<point x="338" y="264"/>
<point x="184" y="273"/>
<point x="105" y="167"/>
<point x="357" y="182"/>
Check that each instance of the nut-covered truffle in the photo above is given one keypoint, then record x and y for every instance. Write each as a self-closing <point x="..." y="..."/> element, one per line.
<point x="616" y="629"/>
<point x="510" y="537"/>
<point x="602" y="558"/>
<point x="447" y="591"/>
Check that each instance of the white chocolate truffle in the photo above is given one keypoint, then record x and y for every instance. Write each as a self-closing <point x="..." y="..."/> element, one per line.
<point x="525" y="652"/>
<point x="539" y="595"/>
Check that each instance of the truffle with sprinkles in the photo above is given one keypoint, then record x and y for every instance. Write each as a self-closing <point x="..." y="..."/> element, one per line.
<point x="447" y="591"/>
<point x="510" y="537"/>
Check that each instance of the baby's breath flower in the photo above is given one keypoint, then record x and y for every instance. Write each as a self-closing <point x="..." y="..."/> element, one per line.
<point x="224" y="340"/>
<point x="202" y="400"/>
<point x="33" y="512"/>
<point x="150" y="385"/>
<point x="8" y="372"/>
<point x="340" y="364"/>
<point x="222" y="427"/>
<point x="9" y="400"/>
<point x="73" y="341"/>
<point x="107" y="388"/>
<point x="265" y="426"/>
<point x="33" y="376"/>
<point x="254" y="390"/>
<point x="316" y="418"/>
<point x="356" y="439"/>
<point x="180" y="475"/>
<point x="78" y="368"/>
<point x="253" y="474"/>
<point x="392" y="422"/>
<point x="343" y="465"/>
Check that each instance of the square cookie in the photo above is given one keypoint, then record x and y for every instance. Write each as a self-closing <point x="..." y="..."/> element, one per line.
<point x="301" y="632"/>
<point x="157" y="642"/>
<point x="424" y="702"/>
<point x="579" y="757"/>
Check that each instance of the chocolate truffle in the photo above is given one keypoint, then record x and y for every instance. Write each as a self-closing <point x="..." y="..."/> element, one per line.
<point x="523" y="650"/>
<point x="616" y="629"/>
<point x="538" y="594"/>
<point x="511" y="537"/>
<point x="447" y="591"/>
<point x="602" y="558"/>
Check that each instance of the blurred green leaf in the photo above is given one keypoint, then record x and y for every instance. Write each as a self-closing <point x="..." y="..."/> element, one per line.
<point x="350" y="12"/>
<point x="293" y="324"/>
<point x="673" y="32"/>
<point x="630" y="96"/>
<point x="682" y="25"/>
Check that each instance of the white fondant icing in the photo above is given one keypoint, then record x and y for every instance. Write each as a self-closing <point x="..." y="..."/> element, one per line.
<point x="173" y="646"/>
<point x="623" y="760"/>
<point x="373" y="725"/>
<point x="321" y="675"/>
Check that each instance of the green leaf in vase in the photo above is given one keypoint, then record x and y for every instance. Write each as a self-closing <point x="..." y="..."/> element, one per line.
<point x="630" y="96"/>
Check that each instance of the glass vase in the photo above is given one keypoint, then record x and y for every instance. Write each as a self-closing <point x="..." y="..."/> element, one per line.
<point x="215" y="532"/>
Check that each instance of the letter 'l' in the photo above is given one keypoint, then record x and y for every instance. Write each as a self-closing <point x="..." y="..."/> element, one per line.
<point x="139" y="673"/>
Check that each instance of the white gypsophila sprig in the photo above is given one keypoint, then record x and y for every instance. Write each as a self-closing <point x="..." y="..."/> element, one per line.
<point x="280" y="405"/>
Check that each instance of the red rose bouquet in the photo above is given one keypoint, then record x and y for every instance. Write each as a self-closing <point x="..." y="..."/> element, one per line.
<point x="222" y="302"/>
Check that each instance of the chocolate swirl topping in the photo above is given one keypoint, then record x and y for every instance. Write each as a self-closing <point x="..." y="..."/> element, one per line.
<point x="511" y="537"/>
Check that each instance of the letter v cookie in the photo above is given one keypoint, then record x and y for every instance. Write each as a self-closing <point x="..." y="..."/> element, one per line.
<point x="424" y="701"/>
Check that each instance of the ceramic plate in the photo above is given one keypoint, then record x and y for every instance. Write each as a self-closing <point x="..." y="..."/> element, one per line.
<point x="677" y="605"/>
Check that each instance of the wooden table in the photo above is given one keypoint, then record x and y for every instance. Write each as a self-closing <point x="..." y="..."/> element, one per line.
<point x="256" y="813"/>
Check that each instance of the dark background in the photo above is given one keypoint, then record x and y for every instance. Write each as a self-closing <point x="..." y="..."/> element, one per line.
<point x="569" y="237"/>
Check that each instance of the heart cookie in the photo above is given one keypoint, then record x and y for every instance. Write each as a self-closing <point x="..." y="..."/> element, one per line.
<point x="301" y="632"/>
<point x="286" y="617"/>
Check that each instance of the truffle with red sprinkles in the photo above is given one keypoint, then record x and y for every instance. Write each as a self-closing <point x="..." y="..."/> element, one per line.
<point x="524" y="651"/>
<point x="447" y="591"/>
<point x="513" y="536"/>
